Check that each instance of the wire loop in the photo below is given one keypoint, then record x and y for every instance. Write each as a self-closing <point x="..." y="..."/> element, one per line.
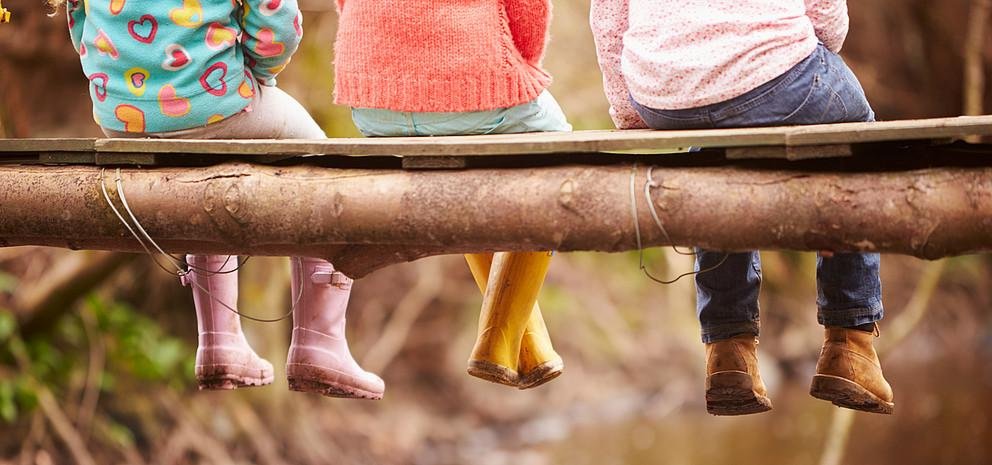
<point x="648" y="184"/>
<point x="181" y="273"/>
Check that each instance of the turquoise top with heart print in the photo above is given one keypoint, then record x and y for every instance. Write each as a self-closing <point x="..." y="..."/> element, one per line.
<point x="167" y="65"/>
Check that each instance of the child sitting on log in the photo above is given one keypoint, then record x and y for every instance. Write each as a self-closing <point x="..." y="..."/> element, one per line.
<point x="451" y="67"/>
<point x="719" y="64"/>
<point x="206" y="69"/>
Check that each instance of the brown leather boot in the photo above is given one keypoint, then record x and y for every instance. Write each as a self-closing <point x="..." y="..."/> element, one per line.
<point x="849" y="373"/>
<point x="733" y="384"/>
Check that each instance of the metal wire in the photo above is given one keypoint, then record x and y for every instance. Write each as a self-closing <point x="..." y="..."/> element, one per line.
<point x="654" y="214"/>
<point x="180" y="272"/>
<point x="176" y="261"/>
<point x="648" y="184"/>
<point x="106" y="196"/>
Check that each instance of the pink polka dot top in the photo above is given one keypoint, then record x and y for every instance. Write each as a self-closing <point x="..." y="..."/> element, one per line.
<point x="677" y="54"/>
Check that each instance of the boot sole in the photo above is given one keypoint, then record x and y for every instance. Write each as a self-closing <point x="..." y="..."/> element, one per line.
<point x="493" y="373"/>
<point x="731" y="393"/>
<point x="303" y="377"/>
<point x="845" y="393"/>
<point x="227" y="377"/>
<point x="330" y="389"/>
<point x="541" y="374"/>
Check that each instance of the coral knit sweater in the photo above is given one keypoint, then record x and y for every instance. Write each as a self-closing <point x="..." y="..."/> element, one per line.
<point x="440" y="55"/>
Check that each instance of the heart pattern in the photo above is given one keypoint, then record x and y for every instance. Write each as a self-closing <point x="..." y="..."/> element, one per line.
<point x="189" y="15"/>
<point x="135" y="79"/>
<point x="116" y="7"/>
<point x="298" y="24"/>
<point x="171" y="103"/>
<point x="99" y="82"/>
<point x="220" y="37"/>
<point x="83" y="51"/>
<point x="267" y="45"/>
<point x="104" y="45"/>
<point x="247" y="87"/>
<point x="214" y="79"/>
<point x="176" y="58"/>
<point x="132" y="117"/>
<point x="270" y="7"/>
<point x="73" y="6"/>
<point x="144" y="29"/>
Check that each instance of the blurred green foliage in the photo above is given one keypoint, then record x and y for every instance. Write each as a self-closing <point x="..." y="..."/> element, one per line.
<point x="134" y="345"/>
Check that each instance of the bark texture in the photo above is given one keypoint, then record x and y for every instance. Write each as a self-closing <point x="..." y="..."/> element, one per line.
<point x="365" y="219"/>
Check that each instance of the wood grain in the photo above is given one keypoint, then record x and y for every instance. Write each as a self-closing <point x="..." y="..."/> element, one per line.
<point x="606" y="142"/>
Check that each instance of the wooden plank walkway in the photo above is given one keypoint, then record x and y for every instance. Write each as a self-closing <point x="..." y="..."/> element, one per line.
<point x="791" y="142"/>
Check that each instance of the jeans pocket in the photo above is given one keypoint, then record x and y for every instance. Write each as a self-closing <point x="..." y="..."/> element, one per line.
<point x="848" y="89"/>
<point x="821" y="105"/>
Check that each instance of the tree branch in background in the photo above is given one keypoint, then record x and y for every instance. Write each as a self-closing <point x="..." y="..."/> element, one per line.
<point x="974" y="60"/>
<point x="96" y="361"/>
<point x="50" y="408"/>
<point x="394" y="335"/>
<point x="38" y="306"/>
<point x="900" y="328"/>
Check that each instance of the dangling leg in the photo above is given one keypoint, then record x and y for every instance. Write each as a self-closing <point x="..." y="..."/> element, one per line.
<point x="511" y="293"/>
<point x="224" y="360"/>
<point x="848" y="372"/>
<point x="538" y="362"/>
<point x="727" y="306"/>
<point x="319" y="359"/>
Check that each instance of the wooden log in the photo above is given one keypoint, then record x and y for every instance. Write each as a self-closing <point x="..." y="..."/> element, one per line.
<point x="366" y="219"/>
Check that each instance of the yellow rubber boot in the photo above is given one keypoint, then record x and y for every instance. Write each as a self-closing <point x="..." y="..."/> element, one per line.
<point x="515" y="279"/>
<point x="537" y="362"/>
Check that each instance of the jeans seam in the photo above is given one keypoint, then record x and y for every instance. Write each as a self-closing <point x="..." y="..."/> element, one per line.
<point x="817" y="80"/>
<point x="851" y="316"/>
<point x="657" y="113"/>
<point x="839" y="99"/>
<point x="734" y="313"/>
<point x="795" y="73"/>
<point x="719" y="332"/>
<point x="870" y="303"/>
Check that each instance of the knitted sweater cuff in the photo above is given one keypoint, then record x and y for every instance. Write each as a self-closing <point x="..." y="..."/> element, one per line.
<point x="482" y="91"/>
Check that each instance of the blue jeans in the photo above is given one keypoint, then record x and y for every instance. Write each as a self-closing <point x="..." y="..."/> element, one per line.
<point x="542" y="114"/>
<point x="820" y="89"/>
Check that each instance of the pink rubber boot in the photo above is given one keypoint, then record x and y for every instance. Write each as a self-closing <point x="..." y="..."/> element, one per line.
<point x="319" y="359"/>
<point x="224" y="360"/>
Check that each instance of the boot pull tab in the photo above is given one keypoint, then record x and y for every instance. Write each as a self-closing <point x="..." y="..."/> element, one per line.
<point x="324" y="274"/>
<point x="184" y="278"/>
